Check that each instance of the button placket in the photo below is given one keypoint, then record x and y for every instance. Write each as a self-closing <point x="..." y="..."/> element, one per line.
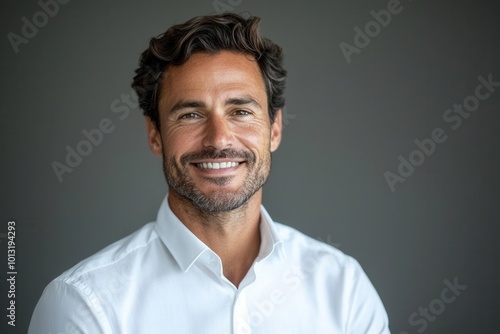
<point x="241" y="323"/>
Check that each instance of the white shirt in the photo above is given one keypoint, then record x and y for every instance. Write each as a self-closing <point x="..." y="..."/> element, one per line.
<point x="163" y="279"/>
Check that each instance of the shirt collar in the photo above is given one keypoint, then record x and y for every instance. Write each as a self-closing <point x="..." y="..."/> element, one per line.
<point x="270" y="240"/>
<point x="186" y="248"/>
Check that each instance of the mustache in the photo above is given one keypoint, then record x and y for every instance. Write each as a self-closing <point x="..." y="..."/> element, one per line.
<point x="212" y="153"/>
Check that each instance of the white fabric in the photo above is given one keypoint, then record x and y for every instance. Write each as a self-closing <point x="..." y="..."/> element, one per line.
<point x="163" y="279"/>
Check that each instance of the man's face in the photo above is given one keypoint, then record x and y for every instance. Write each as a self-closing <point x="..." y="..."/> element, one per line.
<point x="216" y="136"/>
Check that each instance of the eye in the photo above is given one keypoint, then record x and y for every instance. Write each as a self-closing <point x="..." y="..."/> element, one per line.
<point x="189" y="115"/>
<point x="241" y="112"/>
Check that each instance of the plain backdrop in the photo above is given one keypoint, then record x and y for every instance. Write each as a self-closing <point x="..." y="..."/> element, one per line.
<point x="346" y="124"/>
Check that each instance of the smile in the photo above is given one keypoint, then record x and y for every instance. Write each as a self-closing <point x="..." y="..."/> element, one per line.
<point x="217" y="165"/>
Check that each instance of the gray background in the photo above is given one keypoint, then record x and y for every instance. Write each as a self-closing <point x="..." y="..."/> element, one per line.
<point x="347" y="124"/>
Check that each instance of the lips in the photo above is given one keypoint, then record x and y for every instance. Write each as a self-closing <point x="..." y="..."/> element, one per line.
<point x="217" y="165"/>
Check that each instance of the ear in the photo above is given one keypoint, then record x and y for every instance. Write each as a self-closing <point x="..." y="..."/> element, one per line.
<point x="276" y="130"/>
<point x="154" y="138"/>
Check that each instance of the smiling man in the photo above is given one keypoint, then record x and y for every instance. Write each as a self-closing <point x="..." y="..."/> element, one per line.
<point x="214" y="261"/>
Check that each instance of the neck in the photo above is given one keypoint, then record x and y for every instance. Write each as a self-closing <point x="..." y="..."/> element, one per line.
<point x="233" y="235"/>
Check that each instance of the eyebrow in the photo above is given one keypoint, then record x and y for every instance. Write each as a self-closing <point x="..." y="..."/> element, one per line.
<point x="242" y="101"/>
<point x="185" y="104"/>
<point x="238" y="101"/>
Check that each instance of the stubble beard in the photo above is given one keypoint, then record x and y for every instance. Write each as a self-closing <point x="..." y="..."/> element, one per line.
<point x="179" y="180"/>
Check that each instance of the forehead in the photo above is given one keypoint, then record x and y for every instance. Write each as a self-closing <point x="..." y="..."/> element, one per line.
<point x="205" y="74"/>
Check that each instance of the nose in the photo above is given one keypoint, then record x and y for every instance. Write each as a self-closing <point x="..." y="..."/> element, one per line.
<point x="218" y="133"/>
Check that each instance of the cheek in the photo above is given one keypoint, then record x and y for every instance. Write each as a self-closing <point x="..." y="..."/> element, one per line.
<point x="177" y="143"/>
<point x="254" y="138"/>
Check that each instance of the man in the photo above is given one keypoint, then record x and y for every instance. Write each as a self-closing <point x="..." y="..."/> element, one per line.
<point x="214" y="261"/>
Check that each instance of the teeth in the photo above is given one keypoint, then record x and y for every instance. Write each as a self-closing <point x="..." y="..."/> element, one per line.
<point x="217" y="165"/>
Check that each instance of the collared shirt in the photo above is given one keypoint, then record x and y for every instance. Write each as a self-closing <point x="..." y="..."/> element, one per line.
<point x="163" y="279"/>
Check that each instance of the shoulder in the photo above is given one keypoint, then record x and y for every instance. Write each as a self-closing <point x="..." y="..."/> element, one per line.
<point x="319" y="258"/>
<point x="336" y="279"/>
<point x="117" y="257"/>
<point x="297" y="241"/>
<point x="83" y="295"/>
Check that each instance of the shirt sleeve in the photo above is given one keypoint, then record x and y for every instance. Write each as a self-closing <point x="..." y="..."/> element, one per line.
<point x="367" y="313"/>
<point x="64" y="308"/>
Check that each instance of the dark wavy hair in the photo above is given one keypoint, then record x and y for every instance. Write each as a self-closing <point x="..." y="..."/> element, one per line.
<point x="210" y="34"/>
